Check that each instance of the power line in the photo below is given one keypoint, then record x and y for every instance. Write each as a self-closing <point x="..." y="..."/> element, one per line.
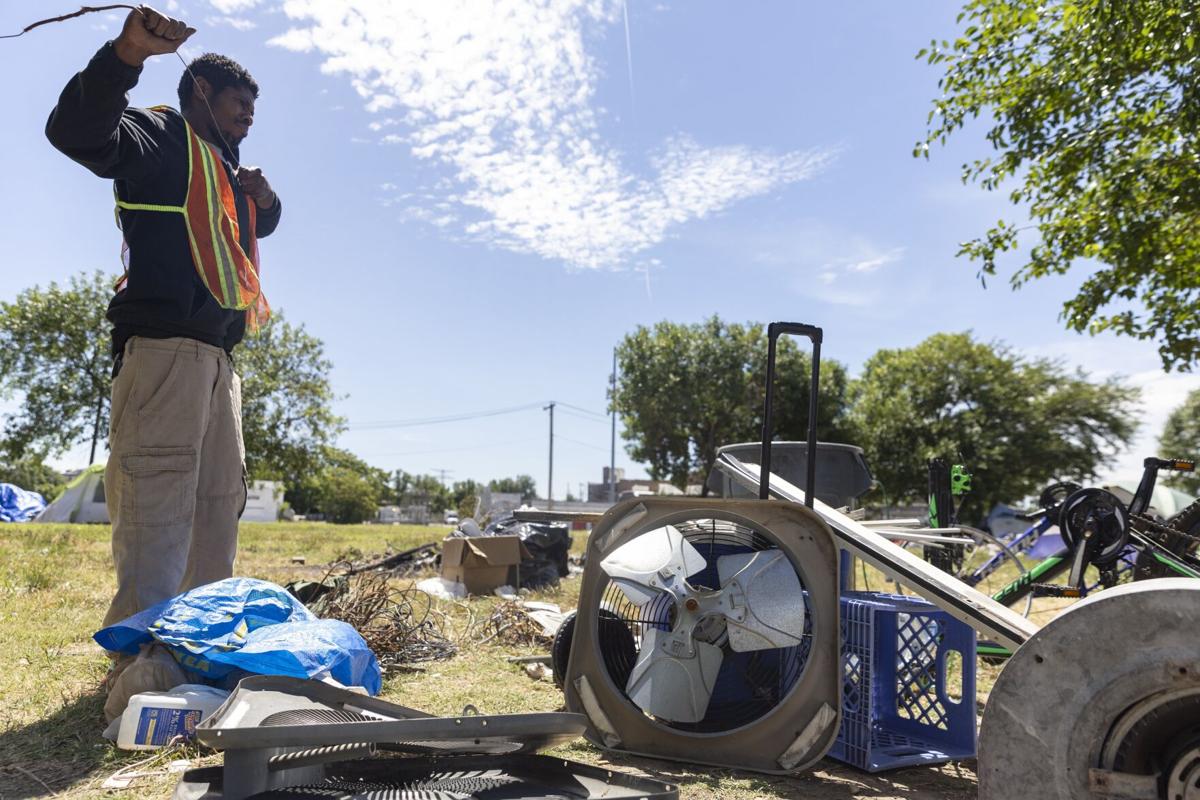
<point x="562" y="438"/>
<point x="393" y="453"/>
<point x="411" y="423"/>
<point x="573" y="415"/>
<point x="469" y="415"/>
<point x="584" y="410"/>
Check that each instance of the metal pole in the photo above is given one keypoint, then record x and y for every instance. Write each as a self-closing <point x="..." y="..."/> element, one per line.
<point x="810" y="481"/>
<point x="550" y="480"/>
<point x="612" y="454"/>
<point x="767" y="432"/>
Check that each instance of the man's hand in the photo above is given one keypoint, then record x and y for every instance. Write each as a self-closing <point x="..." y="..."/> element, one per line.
<point x="149" y="33"/>
<point x="255" y="184"/>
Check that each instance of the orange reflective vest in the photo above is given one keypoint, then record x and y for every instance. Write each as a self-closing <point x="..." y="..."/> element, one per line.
<point x="210" y="216"/>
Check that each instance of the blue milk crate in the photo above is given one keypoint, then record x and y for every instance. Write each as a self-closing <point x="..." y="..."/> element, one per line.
<point x="896" y="710"/>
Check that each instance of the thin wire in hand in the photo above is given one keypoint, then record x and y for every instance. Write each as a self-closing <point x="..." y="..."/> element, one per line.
<point x="94" y="9"/>
<point x="82" y="10"/>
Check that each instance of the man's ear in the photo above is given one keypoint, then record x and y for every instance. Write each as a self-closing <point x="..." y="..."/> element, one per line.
<point x="201" y="90"/>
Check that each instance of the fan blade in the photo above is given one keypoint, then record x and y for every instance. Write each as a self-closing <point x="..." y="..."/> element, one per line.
<point x="766" y="600"/>
<point x="652" y="561"/>
<point x="668" y="682"/>
<point x="639" y="595"/>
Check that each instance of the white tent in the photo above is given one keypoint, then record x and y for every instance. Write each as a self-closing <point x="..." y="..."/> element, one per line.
<point x="1166" y="501"/>
<point x="81" y="501"/>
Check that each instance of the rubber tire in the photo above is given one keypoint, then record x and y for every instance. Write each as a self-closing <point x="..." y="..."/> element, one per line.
<point x="560" y="648"/>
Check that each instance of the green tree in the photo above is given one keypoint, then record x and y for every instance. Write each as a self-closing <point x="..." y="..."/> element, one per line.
<point x="54" y="353"/>
<point x="686" y="390"/>
<point x="317" y="489"/>
<point x="524" y="485"/>
<point x="1092" y="107"/>
<point x="1017" y="424"/>
<point x="1181" y="439"/>
<point x="464" y="496"/>
<point x="409" y="489"/>
<point x="346" y="496"/>
<point x="288" y="421"/>
<point x="31" y="473"/>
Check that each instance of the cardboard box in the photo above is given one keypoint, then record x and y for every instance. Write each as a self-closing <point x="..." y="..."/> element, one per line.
<point x="481" y="563"/>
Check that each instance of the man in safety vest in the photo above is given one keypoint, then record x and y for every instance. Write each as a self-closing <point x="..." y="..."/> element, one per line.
<point x="190" y="215"/>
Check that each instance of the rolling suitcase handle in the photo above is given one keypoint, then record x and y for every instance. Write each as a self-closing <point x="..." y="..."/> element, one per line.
<point x="814" y="334"/>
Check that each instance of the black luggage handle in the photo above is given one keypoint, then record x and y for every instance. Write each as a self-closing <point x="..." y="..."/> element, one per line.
<point x="814" y="334"/>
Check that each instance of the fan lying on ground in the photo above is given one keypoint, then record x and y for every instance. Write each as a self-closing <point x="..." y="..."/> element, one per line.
<point x="759" y="606"/>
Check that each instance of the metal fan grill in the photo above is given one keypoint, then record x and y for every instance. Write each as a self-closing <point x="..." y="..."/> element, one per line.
<point x="291" y="738"/>
<point x="750" y="659"/>
<point x="527" y="777"/>
<point x="707" y="632"/>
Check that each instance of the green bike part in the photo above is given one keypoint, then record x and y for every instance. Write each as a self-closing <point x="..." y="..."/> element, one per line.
<point x="1024" y="584"/>
<point x="993" y="651"/>
<point x="960" y="480"/>
<point x="1180" y="567"/>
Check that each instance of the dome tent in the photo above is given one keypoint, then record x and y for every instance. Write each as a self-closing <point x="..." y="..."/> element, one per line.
<point x="81" y="501"/>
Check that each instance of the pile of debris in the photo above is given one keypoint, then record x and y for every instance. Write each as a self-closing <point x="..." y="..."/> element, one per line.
<point x="521" y="624"/>
<point x="423" y="558"/>
<point x="402" y="626"/>
<point x="544" y="549"/>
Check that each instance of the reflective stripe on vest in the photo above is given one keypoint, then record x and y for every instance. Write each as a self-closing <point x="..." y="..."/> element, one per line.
<point x="210" y="216"/>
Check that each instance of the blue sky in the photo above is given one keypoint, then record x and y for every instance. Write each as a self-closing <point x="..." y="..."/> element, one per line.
<point x="481" y="199"/>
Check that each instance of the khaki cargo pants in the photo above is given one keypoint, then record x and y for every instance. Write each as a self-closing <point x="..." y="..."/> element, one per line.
<point x="175" y="481"/>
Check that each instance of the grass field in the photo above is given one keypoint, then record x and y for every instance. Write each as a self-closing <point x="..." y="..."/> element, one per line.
<point x="55" y="583"/>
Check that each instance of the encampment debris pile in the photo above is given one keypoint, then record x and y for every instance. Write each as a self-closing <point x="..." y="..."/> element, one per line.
<point x="406" y="562"/>
<point x="546" y="547"/>
<point x="513" y="623"/>
<point x="402" y="626"/>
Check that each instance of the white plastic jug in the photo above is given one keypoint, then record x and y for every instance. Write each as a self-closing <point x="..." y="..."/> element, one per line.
<point x="152" y="719"/>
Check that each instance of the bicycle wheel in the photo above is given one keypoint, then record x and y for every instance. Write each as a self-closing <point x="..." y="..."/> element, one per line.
<point x="987" y="564"/>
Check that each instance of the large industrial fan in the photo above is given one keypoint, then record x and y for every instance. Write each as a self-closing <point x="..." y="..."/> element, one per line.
<point x="707" y="631"/>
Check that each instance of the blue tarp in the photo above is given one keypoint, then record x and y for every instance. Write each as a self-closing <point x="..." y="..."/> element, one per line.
<point x="248" y="625"/>
<point x="19" y="505"/>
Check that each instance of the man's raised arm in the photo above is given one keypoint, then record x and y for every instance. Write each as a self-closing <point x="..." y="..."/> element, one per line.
<point x="92" y="123"/>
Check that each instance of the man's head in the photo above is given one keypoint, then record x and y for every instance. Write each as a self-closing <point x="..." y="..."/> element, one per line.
<point x="229" y="90"/>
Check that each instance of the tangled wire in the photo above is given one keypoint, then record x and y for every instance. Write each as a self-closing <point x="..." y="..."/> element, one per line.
<point x="510" y="624"/>
<point x="402" y="626"/>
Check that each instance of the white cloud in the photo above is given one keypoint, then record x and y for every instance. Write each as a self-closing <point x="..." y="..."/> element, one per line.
<point x="831" y="265"/>
<point x="233" y="6"/>
<point x="237" y="23"/>
<point x="874" y="262"/>
<point x="1139" y="365"/>
<point x="501" y="94"/>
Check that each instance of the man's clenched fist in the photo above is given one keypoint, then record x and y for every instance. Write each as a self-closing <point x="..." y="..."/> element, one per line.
<point x="255" y="184"/>
<point x="149" y="33"/>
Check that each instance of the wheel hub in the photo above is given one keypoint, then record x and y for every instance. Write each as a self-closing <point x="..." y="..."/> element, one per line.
<point x="1160" y="737"/>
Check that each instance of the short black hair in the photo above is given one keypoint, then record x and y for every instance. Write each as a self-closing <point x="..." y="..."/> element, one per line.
<point x="220" y="71"/>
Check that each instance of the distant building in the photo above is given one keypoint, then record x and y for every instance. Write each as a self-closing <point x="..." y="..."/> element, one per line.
<point x="416" y="514"/>
<point x="633" y="487"/>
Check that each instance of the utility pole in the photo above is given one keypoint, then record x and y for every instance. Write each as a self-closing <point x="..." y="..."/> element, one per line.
<point x="612" y="455"/>
<point x="442" y="473"/>
<point x="550" y="482"/>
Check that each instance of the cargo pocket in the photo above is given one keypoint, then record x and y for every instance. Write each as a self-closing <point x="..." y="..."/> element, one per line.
<point x="161" y="483"/>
